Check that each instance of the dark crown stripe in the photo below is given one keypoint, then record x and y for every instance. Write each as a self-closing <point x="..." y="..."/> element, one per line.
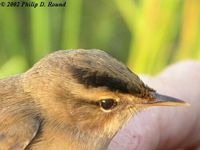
<point x="97" y="79"/>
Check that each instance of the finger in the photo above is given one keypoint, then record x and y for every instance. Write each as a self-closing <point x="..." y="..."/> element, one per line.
<point x="141" y="133"/>
<point x="182" y="81"/>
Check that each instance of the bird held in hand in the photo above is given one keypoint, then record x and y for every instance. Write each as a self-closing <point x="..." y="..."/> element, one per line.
<point x="72" y="100"/>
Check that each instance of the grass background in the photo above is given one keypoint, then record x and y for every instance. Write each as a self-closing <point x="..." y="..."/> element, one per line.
<point x="147" y="35"/>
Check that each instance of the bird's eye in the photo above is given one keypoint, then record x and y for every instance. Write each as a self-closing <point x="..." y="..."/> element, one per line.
<point x="107" y="104"/>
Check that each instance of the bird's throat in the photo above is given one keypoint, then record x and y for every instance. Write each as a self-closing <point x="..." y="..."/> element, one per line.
<point x="70" y="138"/>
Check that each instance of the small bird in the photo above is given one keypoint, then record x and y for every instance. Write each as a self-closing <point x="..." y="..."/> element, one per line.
<point x="72" y="100"/>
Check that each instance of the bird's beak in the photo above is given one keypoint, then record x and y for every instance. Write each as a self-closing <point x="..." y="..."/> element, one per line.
<point x="163" y="100"/>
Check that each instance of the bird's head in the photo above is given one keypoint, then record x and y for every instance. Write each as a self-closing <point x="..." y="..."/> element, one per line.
<point x="89" y="92"/>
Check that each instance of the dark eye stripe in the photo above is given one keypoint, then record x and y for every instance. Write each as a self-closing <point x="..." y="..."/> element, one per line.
<point x="106" y="104"/>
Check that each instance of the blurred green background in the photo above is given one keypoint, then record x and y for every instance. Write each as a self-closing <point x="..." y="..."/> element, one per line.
<point x="147" y="35"/>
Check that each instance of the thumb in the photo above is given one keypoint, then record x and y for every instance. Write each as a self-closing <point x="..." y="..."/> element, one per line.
<point x="166" y="127"/>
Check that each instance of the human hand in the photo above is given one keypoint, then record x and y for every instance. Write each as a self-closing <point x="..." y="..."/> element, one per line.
<point x="163" y="128"/>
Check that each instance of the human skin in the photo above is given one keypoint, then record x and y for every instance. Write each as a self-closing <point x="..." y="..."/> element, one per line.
<point x="166" y="128"/>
